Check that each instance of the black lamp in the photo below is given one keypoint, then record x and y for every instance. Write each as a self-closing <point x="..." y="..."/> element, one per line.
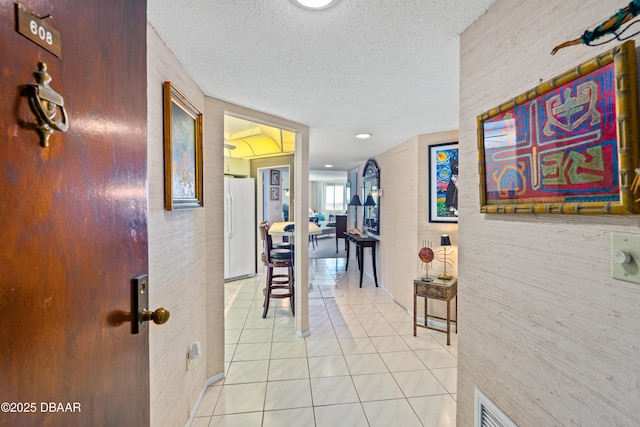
<point x="368" y="203"/>
<point x="355" y="201"/>
<point x="445" y="242"/>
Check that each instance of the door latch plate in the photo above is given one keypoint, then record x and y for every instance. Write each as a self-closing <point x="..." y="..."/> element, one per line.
<point x="140" y="302"/>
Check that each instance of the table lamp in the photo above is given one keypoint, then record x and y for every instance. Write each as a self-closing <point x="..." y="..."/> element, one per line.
<point x="445" y="242"/>
<point x="355" y="201"/>
<point x="368" y="203"/>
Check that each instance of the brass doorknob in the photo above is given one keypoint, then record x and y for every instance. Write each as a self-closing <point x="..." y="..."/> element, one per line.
<point x="159" y="317"/>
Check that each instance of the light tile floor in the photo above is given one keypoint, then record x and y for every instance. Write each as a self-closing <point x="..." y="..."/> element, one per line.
<point x="361" y="366"/>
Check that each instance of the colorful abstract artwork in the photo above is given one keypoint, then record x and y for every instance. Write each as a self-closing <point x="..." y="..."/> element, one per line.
<point x="443" y="179"/>
<point x="556" y="149"/>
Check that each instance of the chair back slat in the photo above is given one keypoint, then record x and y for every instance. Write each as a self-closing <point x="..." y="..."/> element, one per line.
<point x="266" y="238"/>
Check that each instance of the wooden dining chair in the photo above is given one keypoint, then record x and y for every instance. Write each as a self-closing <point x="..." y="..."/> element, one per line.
<point x="341" y="228"/>
<point x="274" y="258"/>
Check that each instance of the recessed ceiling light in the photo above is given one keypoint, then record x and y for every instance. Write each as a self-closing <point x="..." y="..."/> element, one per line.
<point x="363" y="135"/>
<point x="315" y="4"/>
<point x="328" y="166"/>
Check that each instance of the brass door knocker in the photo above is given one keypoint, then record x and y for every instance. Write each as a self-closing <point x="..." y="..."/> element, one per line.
<point x="44" y="103"/>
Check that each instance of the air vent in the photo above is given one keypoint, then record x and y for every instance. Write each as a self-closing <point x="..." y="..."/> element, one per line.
<point x="488" y="414"/>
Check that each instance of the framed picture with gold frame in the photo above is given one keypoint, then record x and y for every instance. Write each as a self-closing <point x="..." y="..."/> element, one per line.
<point x="182" y="151"/>
<point x="568" y="146"/>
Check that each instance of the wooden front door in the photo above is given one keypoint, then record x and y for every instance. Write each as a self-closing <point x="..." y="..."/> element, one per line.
<point x="73" y="220"/>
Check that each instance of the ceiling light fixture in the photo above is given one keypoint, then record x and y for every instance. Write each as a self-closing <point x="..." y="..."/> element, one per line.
<point x="315" y="4"/>
<point x="363" y="135"/>
<point x="328" y="166"/>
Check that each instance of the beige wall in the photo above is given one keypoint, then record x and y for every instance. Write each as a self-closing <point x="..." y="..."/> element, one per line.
<point x="404" y="218"/>
<point x="185" y="265"/>
<point x="545" y="332"/>
<point x="313" y="196"/>
<point x="214" y="236"/>
<point x="177" y="258"/>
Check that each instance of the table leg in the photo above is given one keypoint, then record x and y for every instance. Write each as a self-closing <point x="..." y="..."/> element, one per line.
<point x="347" y="245"/>
<point x="426" y="313"/>
<point x="361" y="261"/>
<point x="373" y="260"/>
<point x="448" y="320"/>
<point x="415" y="314"/>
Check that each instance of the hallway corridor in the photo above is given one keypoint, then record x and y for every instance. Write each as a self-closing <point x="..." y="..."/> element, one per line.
<point x="361" y="365"/>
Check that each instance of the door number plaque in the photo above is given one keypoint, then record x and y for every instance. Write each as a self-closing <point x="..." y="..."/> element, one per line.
<point x="34" y="27"/>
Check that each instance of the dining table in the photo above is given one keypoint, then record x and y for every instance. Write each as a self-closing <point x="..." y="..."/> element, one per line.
<point x="278" y="229"/>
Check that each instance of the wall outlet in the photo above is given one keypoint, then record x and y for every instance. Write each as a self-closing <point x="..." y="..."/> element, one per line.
<point x="193" y="352"/>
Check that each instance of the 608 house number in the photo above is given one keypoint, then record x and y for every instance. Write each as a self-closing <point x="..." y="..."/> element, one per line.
<point x="41" y="32"/>
<point x="33" y="26"/>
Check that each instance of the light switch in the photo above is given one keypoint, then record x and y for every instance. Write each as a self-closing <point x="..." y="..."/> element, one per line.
<point x="625" y="257"/>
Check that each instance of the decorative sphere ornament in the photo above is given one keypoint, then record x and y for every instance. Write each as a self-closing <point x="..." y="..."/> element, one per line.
<point x="426" y="254"/>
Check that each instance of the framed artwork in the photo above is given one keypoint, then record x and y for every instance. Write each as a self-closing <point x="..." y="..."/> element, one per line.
<point x="568" y="146"/>
<point x="443" y="182"/>
<point x="275" y="193"/>
<point x="182" y="151"/>
<point x="275" y="177"/>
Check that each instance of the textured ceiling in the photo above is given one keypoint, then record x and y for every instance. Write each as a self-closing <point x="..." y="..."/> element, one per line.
<point x="389" y="67"/>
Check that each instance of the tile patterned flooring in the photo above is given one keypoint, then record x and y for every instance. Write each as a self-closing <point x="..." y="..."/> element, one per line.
<point x="361" y="365"/>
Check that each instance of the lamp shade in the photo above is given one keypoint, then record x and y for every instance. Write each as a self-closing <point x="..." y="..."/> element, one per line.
<point x="444" y="240"/>
<point x="369" y="201"/>
<point x="355" y="201"/>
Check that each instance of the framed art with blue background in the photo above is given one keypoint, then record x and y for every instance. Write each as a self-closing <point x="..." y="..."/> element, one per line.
<point x="443" y="182"/>
<point x="182" y="151"/>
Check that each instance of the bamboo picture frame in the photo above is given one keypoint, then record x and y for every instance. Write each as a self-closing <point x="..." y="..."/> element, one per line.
<point x="182" y="151"/>
<point x="567" y="146"/>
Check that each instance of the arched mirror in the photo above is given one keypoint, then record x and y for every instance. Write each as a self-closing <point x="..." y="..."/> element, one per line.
<point x="371" y="197"/>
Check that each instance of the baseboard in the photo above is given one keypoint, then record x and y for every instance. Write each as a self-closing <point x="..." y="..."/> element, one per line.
<point x="209" y="382"/>
<point x="245" y="276"/>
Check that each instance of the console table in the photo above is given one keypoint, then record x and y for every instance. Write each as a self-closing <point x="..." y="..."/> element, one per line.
<point x="361" y="243"/>
<point x="443" y="290"/>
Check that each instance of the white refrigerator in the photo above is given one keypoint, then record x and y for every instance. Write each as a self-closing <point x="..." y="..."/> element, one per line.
<point x="239" y="228"/>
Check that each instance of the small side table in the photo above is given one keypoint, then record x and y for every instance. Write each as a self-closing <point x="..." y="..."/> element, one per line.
<point x="443" y="290"/>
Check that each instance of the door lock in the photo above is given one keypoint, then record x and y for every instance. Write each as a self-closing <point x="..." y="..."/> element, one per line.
<point x="140" y="306"/>
<point x="159" y="317"/>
